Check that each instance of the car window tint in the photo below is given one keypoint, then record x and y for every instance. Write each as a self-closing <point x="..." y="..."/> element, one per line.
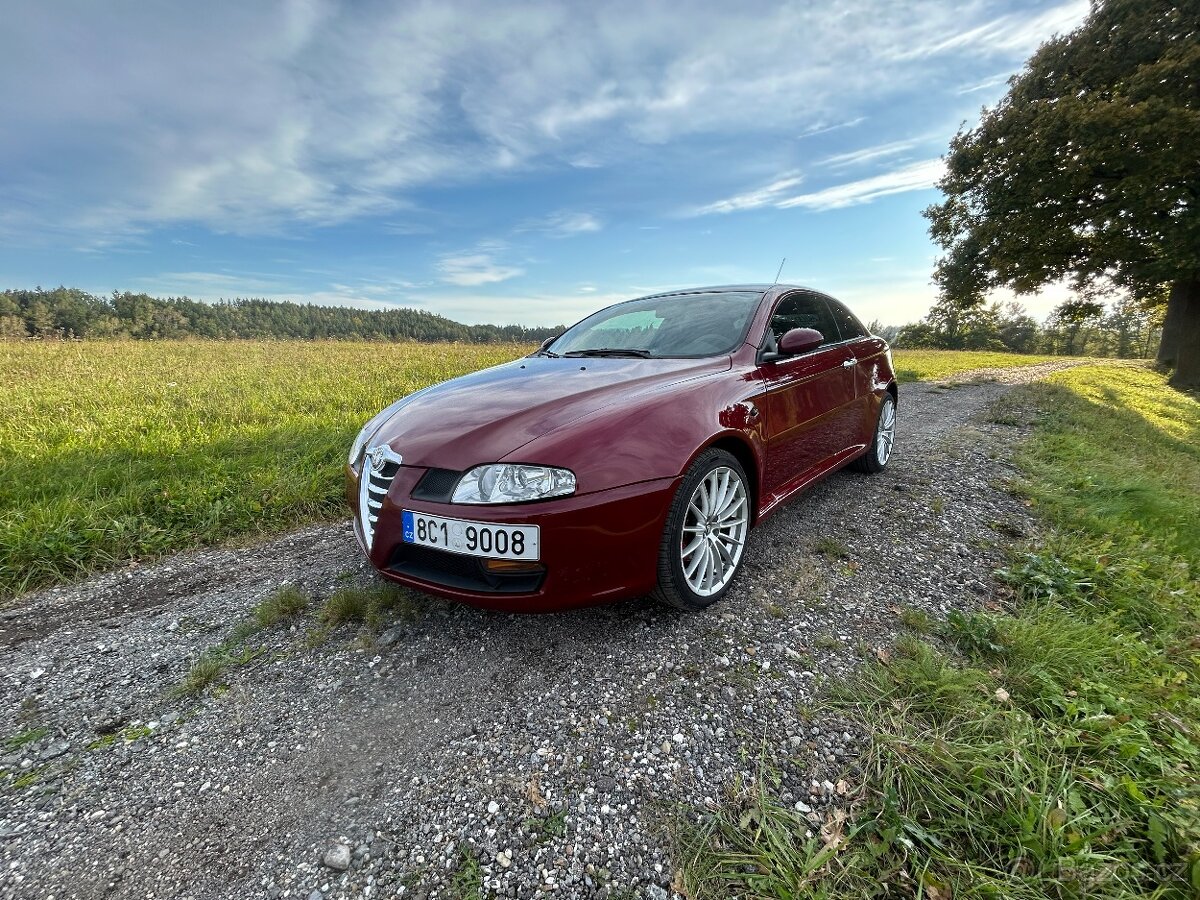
<point x="847" y="324"/>
<point x="804" y="311"/>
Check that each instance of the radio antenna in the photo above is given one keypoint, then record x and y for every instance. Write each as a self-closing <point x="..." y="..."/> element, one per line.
<point x="778" y="273"/>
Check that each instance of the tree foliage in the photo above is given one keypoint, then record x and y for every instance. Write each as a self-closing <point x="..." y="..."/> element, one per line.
<point x="72" y="313"/>
<point x="1077" y="327"/>
<point x="1088" y="168"/>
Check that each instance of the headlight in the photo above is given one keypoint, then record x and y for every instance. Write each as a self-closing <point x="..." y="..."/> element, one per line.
<point x="502" y="483"/>
<point x="368" y="430"/>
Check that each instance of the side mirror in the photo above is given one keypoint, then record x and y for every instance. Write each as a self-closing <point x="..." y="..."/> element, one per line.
<point x="800" y="340"/>
<point x="548" y="341"/>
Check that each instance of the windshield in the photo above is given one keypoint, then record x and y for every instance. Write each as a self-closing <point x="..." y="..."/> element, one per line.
<point x="690" y="325"/>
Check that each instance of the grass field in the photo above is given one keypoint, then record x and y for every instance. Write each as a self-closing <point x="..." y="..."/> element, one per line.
<point x="1050" y="752"/>
<point x="116" y="451"/>
<point x="930" y="365"/>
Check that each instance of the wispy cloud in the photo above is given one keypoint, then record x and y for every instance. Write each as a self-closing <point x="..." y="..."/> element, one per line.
<point x="912" y="177"/>
<point x="213" y="285"/>
<point x="564" y="224"/>
<point x="823" y="128"/>
<point x="994" y="81"/>
<point x="764" y="196"/>
<point x="474" y="269"/>
<point x="867" y="154"/>
<point x="915" y="177"/>
<point x="1016" y="32"/>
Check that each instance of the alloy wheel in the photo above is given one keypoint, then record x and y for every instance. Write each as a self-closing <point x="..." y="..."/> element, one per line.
<point x="886" y="432"/>
<point x="714" y="531"/>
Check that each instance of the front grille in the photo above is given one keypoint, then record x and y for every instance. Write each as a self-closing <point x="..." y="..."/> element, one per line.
<point x="379" y="467"/>
<point x="463" y="572"/>
<point x="437" y="485"/>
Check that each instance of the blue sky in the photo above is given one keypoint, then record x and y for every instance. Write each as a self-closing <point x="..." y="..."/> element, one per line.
<point x="491" y="162"/>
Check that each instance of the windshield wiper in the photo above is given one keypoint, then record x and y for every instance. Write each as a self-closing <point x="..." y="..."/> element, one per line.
<point x="549" y="353"/>
<point x="612" y="351"/>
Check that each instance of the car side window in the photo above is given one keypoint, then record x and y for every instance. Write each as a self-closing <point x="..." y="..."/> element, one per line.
<point x="804" y="311"/>
<point x="847" y="323"/>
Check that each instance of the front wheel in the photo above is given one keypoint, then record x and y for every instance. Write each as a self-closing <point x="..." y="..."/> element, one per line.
<point x="877" y="455"/>
<point x="705" y="535"/>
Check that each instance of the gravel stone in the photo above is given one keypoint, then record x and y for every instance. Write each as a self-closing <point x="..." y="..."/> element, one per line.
<point x="337" y="857"/>
<point x="546" y="747"/>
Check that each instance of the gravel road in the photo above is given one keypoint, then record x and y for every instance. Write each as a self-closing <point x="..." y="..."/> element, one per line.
<point x="553" y="751"/>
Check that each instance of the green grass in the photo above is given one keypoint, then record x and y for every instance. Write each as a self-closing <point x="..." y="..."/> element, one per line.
<point x="128" y="735"/>
<point x="826" y="545"/>
<point x="116" y="451"/>
<point x="466" y="882"/>
<point x="930" y="365"/>
<point x="547" y="828"/>
<point x="1050" y="752"/>
<point x="286" y="602"/>
<point x="208" y="669"/>
<point x="24" y="738"/>
<point x="370" y="605"/>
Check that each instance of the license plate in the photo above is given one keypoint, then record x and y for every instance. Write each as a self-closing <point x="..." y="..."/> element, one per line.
<point x="472" y="538"/>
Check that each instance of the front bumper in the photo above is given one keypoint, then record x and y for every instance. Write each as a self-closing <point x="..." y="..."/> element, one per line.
<point x="596" y="548"/>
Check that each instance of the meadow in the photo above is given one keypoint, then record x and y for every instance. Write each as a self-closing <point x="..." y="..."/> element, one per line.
<point x="125" y="450"/>
<point x="930" y="365"/>
<point x="1049" y="749"/>
<point x="111" y="452"/>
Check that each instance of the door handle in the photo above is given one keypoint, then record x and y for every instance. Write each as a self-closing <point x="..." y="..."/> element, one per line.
<point x="847" y="363"/>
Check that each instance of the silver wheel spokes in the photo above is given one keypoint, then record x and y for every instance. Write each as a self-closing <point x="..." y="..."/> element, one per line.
<point x="886" y="436"/>
<point x="714" y="531"/>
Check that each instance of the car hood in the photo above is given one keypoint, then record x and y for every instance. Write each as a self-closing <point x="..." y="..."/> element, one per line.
<point x="487" y="415"/>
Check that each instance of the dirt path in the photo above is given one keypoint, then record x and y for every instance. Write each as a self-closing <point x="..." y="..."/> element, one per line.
<point x="550" y="749"/>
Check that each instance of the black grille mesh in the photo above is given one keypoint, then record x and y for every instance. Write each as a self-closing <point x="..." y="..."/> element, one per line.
<point x="437" y="485"/>
<point x="458" y="571"/>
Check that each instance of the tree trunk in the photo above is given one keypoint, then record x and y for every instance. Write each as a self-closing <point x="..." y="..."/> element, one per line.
<point x="1185" y="294"/>
<point x="1168" y="346"/>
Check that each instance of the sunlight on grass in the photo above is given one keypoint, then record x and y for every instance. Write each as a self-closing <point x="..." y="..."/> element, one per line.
<point x="930" y="365"/>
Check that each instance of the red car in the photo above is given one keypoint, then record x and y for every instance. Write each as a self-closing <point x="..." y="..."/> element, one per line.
<point x="630" y="455"/>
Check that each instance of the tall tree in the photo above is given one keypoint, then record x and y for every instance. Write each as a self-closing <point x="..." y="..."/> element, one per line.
<point x="1088" y="170"/>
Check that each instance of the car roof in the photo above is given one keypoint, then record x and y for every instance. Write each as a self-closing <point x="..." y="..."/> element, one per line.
<point x="732" y="288"/>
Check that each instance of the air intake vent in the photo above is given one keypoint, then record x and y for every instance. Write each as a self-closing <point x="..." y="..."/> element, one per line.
<point x="437" y="485"/>
<point x="379" y="467"/>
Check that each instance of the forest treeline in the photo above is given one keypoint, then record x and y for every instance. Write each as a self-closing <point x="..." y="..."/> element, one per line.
<point x="1077" y="327"/>
<point x="70" y="313"/>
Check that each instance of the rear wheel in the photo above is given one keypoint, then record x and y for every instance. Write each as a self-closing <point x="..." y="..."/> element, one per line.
<point x="705" y="535"/>
<point x="880" y="452"/>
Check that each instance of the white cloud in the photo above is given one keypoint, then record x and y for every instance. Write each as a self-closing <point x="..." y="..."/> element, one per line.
<point x="212" y="285"/>
<point x="764" y="196"/>
<point x="1015" y="33"/>
<point x="823" y="128"/>
<point x="531" y="309"/>
<point x="266" y="117"/>
<point x="474" y="269"/>
<point x="565" y="224"/>
<point x="867" y="154"/>
<point x="994" y="81"/>
<point x="914" y="177"/>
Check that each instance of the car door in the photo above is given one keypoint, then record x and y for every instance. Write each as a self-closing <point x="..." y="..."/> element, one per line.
<point x="809" y="399"/>
<point x="865" y="350"/>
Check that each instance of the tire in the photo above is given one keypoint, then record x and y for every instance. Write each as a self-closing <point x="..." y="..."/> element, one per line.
<point x="715" y="475"/>
<point x="879" y="454"/>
